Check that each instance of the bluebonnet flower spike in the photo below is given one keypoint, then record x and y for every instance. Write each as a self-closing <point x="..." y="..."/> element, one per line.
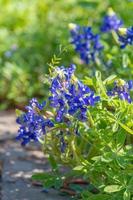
<point x="122" y="90"/>
<point x="85" y="42"/>
<point x="69" y="96"/>
<point x="32" y="124"/>
<point x="111" y="22"/>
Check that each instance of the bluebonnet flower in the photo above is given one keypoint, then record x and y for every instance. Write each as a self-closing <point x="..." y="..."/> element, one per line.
<point x="111" y="22"/>
<point x="86" y="43"/>
<point x="32" y="124"/>
<point x="69" y="96"/>
<point x="35" y="105"/>
<point x="125" y="36"/>
<point x="122" y="90"/>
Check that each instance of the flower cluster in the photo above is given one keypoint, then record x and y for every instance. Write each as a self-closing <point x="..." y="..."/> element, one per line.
<point x="70" y="96"/>
<point x="86" y="43"/>
<point x="111" y="22"/>
<point x="125" y="36"/>
<point x="122" y="90"/>
<point x="32" y="123"/>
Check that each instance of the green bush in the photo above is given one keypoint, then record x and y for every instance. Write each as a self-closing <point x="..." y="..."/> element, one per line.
<point x="32" y="31"/>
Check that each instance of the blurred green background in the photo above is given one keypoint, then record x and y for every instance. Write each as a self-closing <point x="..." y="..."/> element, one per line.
<point x="32" y="31"/>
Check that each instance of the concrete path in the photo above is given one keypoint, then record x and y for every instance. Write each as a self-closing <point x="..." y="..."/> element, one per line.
<point x="17" y="164"/>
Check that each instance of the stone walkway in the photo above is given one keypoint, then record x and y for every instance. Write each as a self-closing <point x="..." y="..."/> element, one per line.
<point x="17" y="164"/>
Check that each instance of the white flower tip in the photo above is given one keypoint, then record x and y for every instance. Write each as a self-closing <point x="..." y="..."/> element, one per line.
<point x="111" y="12"/>
<point x="122" y="31"/>
<point x="120" y="82"/>
<point x="72" y="26"/>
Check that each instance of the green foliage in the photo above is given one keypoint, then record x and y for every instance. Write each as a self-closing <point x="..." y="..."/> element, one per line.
<point x="102" y="154"/>
<point x="31" y="31"/>
<point x="49" y="180"/>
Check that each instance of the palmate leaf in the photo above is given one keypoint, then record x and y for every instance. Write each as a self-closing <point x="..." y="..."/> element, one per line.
<point x="126" y="128"/>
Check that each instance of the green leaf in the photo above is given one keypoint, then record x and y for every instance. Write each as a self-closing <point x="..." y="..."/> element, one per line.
<point x="120" y="138"/>
<point x="89" y="196"/>
<point x="18" y="112"/>
<point x="130" y="185"/>
<point x="122" y="125"/>
<point x="78" y="168"/>
<point x="58" y="182"/>
<point x="100" y="86"/>
<point x="48" y="179"/>
<point x="53" y="163"/>
<point x="126" y="128"/>
<point x="115" y="127"/>
<point x="126" y="195"/>
<point x="88" y="81"/>
<point x="87" y="4"/>
<point x="76" y="187"/>
<point x="48" y="183"/>
<point x="110" y="80"/>
<point x="112" y="188"/>
<point x="125" y="60"/>
<point x="40" y="176"/>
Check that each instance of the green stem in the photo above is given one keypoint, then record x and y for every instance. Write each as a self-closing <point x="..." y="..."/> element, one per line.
<point x="115" y="37"/>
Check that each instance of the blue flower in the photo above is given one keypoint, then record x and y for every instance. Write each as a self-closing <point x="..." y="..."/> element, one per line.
<point x="32" y="124"/>
<point x="78" y="97"/>
<point x="111" y="22"/>
<point x="125" y="36"/>
<point x="122" y="90"/>
<point x="34" y="104"/>
<point x="86" y="43"/>
<point x="69" y="96"/>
